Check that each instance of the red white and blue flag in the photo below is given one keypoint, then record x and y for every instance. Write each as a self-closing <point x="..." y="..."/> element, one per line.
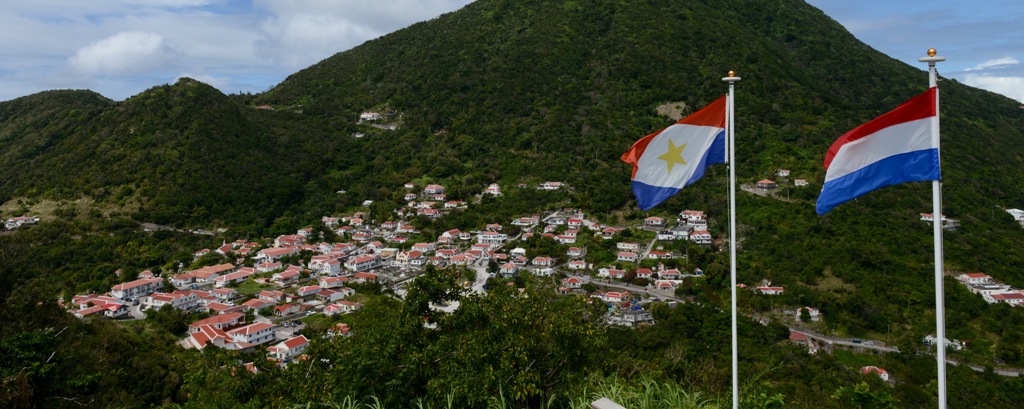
<point x="666" y="161"/>
<point x="894" y="148"/>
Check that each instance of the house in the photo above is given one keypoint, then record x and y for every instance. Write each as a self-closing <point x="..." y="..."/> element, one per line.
<point x="289" y="240"/>
<point x="654" y="222"/>
<point x="644" y="273"/>
<point x="509" y="269"/>
<point x="256" y="304"/>
<point x="137" y="288"/>
<point x="286" y="309"/>
<point x="333" y="282"/>
<point x="975" y="278"/>
<point x="572" y="283"/>
<point x="362" y="263"/>
<point x="671" y="274"/>
<point x="627" y="256"/>
<point x="183" y="281"/>
<point x="627" y="246"/>
<point x="331" y="295"/>
<point x="493" y="227"/>
<point x="289" y="348"/>
<point x="783" y="173"/>
<point x="766" y="184"/>
<point x="210" y="273"/>
<point x="342" y="307"/>
<point x="433" y="189"/>
<point x="255" y="334"/>
<point x="268" y="266"/>
<point x="492" y="238"/>
<point x="702" y="237"/>
<point x="307" y="290"/>
<point x="224" y="294"/>
<point x="285" y="277"/>
<point x="658" y="254"/>
<point x="339" y="329"/>
<point x="1012" y="298"/>
<point x="16" y="222"/>
<point x="770" y="290"/>
<point x="1018" y="215"/>
<point x="611" y="273"/>
<point x="272" y="296"/>
<point x="575" y="252"/>
<point x="565" y="239"/>
<point x="800" y="338"/>
<point x="577" y="265"/>
<point x="882" y="373"/>
<point x="551" y="186"/>
<point x="449" y="236"/>
<point x="222" y="322"/>
<point x="543" y="261"/>
<point x="234" y="278"/>
<point x="526" y="221"/>
<point x="218" y="308"/>
<point x="800" y="182"/>
<point x="181" y="300"/>
<point x="612" y="296"/>
<point x="370" y="116"/>
<point x="493" y="189"/>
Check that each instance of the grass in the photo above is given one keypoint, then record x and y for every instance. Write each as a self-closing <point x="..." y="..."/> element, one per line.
<point x="250" y="287"/>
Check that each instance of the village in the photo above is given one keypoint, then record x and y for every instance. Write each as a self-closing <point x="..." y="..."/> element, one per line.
<point x="264" y="290"/>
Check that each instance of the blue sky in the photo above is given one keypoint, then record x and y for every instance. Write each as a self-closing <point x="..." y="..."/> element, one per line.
<point x="122" y="47"/>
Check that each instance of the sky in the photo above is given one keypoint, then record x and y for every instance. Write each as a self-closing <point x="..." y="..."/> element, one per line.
<point x="120" y="48"/>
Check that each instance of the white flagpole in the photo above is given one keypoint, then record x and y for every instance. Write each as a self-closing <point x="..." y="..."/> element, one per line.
<point x="730" y="149"/>
<point x="940" y="314"/>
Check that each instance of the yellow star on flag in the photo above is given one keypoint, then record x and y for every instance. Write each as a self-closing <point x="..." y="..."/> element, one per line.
<point x="673" y="155"/>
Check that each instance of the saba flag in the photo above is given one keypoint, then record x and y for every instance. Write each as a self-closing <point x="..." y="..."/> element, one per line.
<point x="894" y="148"/>
<point x="666" y="161"/>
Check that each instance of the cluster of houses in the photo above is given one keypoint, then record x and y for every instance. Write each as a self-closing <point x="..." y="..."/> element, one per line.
<point x="16" y="222"/>
<point x="991" y="290"/>
<point x="947" y="223"/>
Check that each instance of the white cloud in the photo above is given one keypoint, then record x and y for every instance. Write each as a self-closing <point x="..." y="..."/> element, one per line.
<point x="996" y="63"/>
<point x="1012" y="87"/>
<point x="299" y="33"/>
<point x="124" y="52"/>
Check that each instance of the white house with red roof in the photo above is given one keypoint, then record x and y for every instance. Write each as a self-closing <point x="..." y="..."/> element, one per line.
<point x="137" y="288"/>
<point x="700" y="237"/>
<point x="307" y="290"/>
<point x="289" y="240"/>
<point x="364" y="262"/>
<point x="542" y="261"/>
<point x="882" y="373"/>
<point x="288" y="349"/>
<point x="509" y="269"/>
<point x="670" y="274"/>
<point x="286" y="309"/>
<point x="286" y="277"/>
<point x="275" y="253"/>
<point x="224" y="294"/>
<point x="612" y="296"/>
<point x="800" y="338"/>
<point x="572" y="282"/>
<point x="433" y="189"/>
<point x="611" y="273"/>
<point x="1014" y="298"/>
<point x="654" y="221"/>
<point x="526" y="221"/>
<point x="182" y="300"/>
<point x="221" y="322"/>
<point x="255" y="334"/>
<point x="975" y="278"/>
<point x="644" y="273"/>
<point x="565" y="239"/>
<point x="342" y="307"/>
<point x="273" y="296"/>
<point x="627" y="256"/>
<point x="209" y="274"/>
<point x="766" y="184"/>
<point x="492" y="238"/>
<point x="333" y="282"/>
<point x="256" y="304"/>
<point x="234" y="278"/>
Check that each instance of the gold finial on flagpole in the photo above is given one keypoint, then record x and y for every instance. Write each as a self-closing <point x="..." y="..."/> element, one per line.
<point x="931" y="52"/>
<point x="732" y="73"/>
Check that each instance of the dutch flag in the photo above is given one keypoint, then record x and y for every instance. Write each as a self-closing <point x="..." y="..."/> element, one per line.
<point x="894" y="148"/>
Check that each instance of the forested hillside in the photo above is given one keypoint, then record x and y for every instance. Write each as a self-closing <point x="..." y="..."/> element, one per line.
<point x="520" y="92"/>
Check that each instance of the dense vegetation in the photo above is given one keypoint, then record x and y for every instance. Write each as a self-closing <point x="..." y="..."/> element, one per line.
<point x="515" y="92"/>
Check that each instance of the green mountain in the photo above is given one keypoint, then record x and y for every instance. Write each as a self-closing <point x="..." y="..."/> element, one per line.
<point x="530" y="91"/>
